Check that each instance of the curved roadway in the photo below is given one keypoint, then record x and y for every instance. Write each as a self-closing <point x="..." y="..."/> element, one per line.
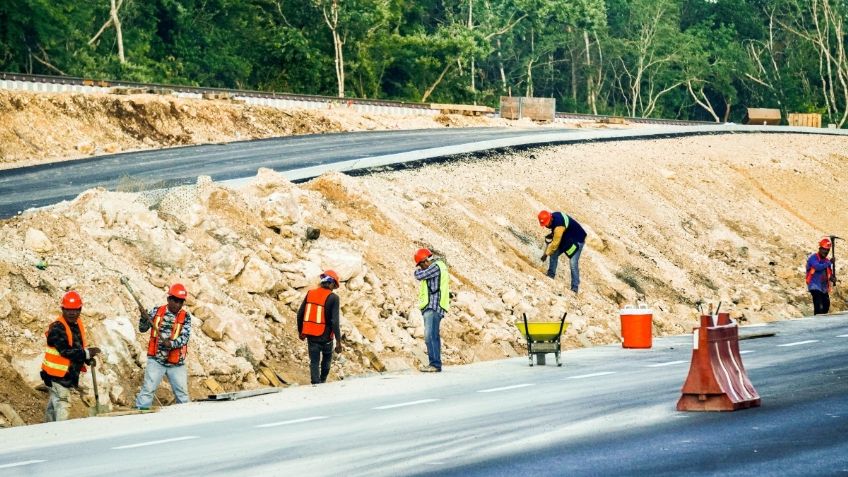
<point x="303" y="157"/>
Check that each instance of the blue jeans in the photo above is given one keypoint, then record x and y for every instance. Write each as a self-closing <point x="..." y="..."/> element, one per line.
<point x="432" y="319"/>
<point x="574" y="263"/>
<point x="153" y="373"/>
<point x="59" y="405"/>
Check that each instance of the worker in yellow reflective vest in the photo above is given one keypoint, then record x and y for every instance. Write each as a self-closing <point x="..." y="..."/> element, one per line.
<point x="433" y="301"/>
<point x="65" y="358"/>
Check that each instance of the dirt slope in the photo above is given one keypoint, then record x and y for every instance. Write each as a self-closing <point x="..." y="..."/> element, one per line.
<point x="670" y="222"/>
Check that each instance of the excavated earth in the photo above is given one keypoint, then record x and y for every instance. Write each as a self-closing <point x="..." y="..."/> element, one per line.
<point x="671" y="222"/>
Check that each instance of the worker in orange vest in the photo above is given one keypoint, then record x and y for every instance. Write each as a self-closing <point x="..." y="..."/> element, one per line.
<point x="66" y="356"/>
<point x="820" y="277"/>
<point x="170" y="330"/>
<point x="318" y="324"/>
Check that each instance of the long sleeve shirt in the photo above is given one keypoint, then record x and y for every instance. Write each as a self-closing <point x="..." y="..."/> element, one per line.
<point x="331" y="315"/>
<point x="144" y="325"/>
<point x="432" y="274"/>
<point x="58" y="338"/>
<point x="819" y="270"/>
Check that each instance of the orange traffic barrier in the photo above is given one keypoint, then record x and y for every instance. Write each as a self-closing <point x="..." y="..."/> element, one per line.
<point x="717" y="380"/>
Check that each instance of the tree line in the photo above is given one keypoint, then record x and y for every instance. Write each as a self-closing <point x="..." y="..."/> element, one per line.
<point x="686" y="59"/>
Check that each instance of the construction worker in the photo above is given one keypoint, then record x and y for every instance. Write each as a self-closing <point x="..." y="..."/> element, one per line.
<point x="433" y="301"/>
<point x="568" y="237"/>
<point x="65" y="358"/>
<point x="170" y="330"/>
<point x="820" y="277"/>
<point x="318" y="324"/>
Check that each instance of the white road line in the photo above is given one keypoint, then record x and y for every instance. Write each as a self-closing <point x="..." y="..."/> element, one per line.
<point x="514" y="386"/>
<point x="755" y="325"/>
<point x="404" y="404"/>
<point x="746" y="351"/>
<point x="293" y="421"/>
<point x="603" y="373"/>
<point x="18" y="464"/>
<point x="799" y="343"/>
<point x="842" y="336"/>
<point x="669" y="363"/>
<point x="153" y="443"/>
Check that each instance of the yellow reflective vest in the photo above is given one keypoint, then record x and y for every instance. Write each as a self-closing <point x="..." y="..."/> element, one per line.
<point x="444" y="289"/>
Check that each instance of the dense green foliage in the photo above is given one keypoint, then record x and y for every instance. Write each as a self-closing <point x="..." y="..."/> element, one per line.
<point x="690" y="59"/>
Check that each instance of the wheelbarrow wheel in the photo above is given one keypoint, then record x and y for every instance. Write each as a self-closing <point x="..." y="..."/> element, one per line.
<point x="558" y="359"/>
<point x="531" y="360"/>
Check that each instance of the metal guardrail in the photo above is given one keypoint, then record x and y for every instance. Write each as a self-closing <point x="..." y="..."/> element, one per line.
<point x="270" y="98"/>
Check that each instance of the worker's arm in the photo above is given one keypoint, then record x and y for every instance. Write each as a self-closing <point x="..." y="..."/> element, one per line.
<point x="144" y="323"/>
<point x="554" y="245"/>
<point x="58" y="338"/>
<point x="300" y="313"/>
<point x="333" y="317"/>
<point x="427" y="273"/>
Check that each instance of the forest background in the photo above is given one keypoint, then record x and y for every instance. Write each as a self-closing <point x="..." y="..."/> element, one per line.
<point x="687" y="59"/>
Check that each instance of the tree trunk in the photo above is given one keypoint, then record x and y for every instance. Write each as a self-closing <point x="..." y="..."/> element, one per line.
<point x="432" y="87"/>
<point x="119" y="34"/>
<point x="331" y="18"/>
<point x="501" y="65"/>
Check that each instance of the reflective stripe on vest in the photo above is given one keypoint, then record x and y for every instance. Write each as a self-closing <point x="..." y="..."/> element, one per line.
<point x="56" y="365"/>
<point x="314" y="315"/>
<point x="570" y="251"/>
<point x="444" y="289"/>
<point x="176" y="354"/>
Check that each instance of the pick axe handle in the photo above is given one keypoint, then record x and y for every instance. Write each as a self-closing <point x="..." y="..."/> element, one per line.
<point x="132" y="292"/>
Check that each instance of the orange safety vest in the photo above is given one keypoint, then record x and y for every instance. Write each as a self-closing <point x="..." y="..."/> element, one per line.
<point x="174" y="355"/>
<point x="314" y="319"/>
<point x="54" y="363"/>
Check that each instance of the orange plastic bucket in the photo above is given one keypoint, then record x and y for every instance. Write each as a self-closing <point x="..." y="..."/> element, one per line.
<point x="636" y="327"/>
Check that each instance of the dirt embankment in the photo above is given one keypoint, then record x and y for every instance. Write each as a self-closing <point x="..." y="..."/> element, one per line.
<point x="670" y="222"/>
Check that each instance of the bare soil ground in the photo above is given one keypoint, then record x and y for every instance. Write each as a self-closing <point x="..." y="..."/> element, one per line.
<point x="671" y="222"/>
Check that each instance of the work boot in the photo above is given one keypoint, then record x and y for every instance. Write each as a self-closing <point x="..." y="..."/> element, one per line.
<point x="429" y="369"/>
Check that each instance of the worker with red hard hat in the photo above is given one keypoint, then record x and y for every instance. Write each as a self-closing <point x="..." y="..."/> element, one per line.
<point x="170" y="329"/>
<point x="433" y="301"/>
<point x="820" y="277"/>
<point x="65" y="357"/>
<point x="567" y="237"/>
<point x="318" y="324"/>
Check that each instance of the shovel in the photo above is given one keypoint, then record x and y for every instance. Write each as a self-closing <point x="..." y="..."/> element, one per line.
<point x="97" y="408"/>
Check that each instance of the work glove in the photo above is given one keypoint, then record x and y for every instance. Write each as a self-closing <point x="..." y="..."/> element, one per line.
<point x="338" y="347"/>
<point x="543" y="257"/>
<point x="165" y="345"/>
<point x="302" y="336"/>
<point x="93" y="351"/>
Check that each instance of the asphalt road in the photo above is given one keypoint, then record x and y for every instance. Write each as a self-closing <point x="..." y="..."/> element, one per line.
<point x="607" y="411"/>
<point x="48" y="184"/>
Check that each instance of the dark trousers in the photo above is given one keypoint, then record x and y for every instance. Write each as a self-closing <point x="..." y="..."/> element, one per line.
<point x="320" y="355"/>
<point x="821" y="302"/>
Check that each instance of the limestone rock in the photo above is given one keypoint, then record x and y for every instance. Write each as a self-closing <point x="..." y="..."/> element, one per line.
<point x="346" y="261"/>
<point x="257" y="276"/>
<point x="37" y="241"/>
<point x="227" y="262"/>
<point x="279" y="210"/>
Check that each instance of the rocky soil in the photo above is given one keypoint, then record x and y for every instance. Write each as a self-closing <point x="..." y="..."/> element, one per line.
<point x="726" y="218"/>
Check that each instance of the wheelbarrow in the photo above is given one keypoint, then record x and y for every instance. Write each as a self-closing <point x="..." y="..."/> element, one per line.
<point x="542" y="337"/>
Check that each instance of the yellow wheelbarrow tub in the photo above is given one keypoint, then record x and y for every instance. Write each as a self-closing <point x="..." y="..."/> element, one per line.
<point x="541" y="330"/>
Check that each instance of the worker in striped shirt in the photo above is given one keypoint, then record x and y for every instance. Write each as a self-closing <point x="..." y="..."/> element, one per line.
<point x="433" y="301"/>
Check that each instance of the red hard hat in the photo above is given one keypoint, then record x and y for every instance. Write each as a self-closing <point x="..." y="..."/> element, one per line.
<point x="421" y="254"/>
<point x="177" y="290"/>
<point x="330" y="274"/>
<point x="544" y="218"/>
<point x="825" y="243"/>
<point x="72" y="301"/>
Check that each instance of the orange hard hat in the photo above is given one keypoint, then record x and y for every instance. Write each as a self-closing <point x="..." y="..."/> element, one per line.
<point x="422" y="254"/>
<point x="177" y="290"/>
<point x="330" y="274"/>
<point x="72" y="301"/>
<point x="544" y="218"/>
<point x="825" y="243"/>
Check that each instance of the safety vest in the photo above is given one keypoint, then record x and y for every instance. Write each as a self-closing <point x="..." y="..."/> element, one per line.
<point x="443" y="290"/>
<point x="175" y="355"/>
<point x="314" y="318"/>
<point x="55" y="364"/>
